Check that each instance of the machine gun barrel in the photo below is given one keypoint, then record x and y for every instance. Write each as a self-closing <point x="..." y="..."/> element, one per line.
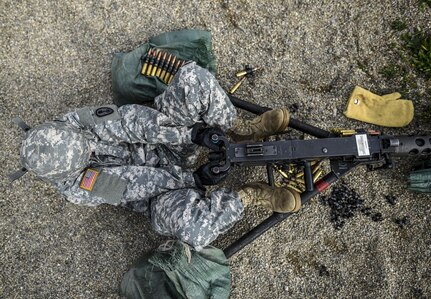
<point x="408" y="145"/>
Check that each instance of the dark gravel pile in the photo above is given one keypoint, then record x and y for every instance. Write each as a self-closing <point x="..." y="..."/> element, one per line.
<point x="344" y="203"/>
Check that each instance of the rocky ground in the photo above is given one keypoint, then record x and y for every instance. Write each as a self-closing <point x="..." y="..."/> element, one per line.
<point x="56" y="55"/>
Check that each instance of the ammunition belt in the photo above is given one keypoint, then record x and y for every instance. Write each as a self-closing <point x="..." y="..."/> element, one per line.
<point x="161" y="64"/>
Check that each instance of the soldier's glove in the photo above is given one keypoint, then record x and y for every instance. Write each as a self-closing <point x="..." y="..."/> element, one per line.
<point x="202" y="136"/>
<point x="205" y="175"/>
<point x="387" y="110"/>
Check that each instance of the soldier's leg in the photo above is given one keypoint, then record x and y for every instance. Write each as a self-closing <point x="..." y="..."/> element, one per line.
<point x="196" y="96"/>
<point x="193" y="218"/>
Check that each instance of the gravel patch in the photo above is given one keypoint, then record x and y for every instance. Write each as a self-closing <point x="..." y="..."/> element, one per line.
<point x="56" y="56"/>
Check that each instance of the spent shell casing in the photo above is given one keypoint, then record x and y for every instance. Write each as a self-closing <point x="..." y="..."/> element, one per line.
<point x="288" y="182"/>
<point x="299" y="174"/>
<point x="156" y="63"/>
<point x="165" y="67"/>
<point x="317" y="175"/>
<point x="169" y="70"/>
<point x="316" y="167"/>
<point x="174" y="71"/>
<point x="146" y="61"/>
<point x="283" y="173"/>
<point x="248" y="71"/>
<point x="237" y="85"/>
<point x="295" y="188"/>
<point x="160" y="65"/>
<point x="291" y="168"/>
<point x="151" y="64"/>
<point x="299" y="181"/>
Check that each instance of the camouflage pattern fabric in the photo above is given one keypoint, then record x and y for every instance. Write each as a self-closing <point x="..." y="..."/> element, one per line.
<point x="193" y="218"/>
<point x="143" y="158"/>
<point x="54" y="150"/>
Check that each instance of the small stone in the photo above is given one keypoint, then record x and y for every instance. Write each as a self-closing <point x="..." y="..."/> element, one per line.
<point x="402" y="222"/>
<point x="392" y="200"/>
<point x="377" y="217"/>
<point x="323" y="271"/>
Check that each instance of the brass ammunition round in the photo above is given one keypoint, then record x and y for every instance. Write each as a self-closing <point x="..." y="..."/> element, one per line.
<point x="174" y="71"/>
<point x="294" y="188"/>
<point x="299" y="174"/>
<point x="169" y="70"/>
<point x="145" y="66"/>
<point x="165" y="67"/>
<point x="168" y="78"/>
<point x="156" y="63"/>
<point x="283" y="173"/>
<point x="149" y="69"/>
<point x="316" y="167"/>
<point x="237" y="85"/>
<point x="317" y="175"/>
<point x="160" y="64"/>
<point x="162" y="74"/>
<point x="240" y="74"/>
<point x="151" y="64"/>
<point x="299" y="181"/>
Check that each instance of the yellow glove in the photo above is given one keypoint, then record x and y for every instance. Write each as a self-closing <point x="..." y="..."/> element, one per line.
<point x="387" y="110"/>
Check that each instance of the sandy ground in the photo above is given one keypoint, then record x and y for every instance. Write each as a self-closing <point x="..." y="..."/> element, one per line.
<point x="56" y="55"/>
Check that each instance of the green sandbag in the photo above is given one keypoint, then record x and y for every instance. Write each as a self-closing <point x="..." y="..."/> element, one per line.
<point x="420" y="181"/>
<point x="131" y="87"/>
<point x="178" y="272"/>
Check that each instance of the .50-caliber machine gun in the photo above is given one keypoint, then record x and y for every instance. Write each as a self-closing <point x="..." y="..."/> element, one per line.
<point x="344" y="153"/>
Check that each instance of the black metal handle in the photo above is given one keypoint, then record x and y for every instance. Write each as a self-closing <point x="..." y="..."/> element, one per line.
<point x="308" y="177"/>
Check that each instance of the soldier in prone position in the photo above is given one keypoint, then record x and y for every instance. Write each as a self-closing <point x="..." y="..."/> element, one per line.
<point x="140" y="157"/>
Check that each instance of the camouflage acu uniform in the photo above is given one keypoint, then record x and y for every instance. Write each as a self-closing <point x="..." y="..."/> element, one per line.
<point x="142" y="157"/>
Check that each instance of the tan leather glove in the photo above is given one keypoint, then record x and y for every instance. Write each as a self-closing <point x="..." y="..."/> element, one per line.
<point x="387" y="110"/>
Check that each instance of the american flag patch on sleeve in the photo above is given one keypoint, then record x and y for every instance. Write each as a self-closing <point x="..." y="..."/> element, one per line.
<point x="89" y="179"/>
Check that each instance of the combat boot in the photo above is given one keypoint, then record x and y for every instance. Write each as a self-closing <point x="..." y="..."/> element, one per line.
<point x="267" y="124"/>
<point x="277" y="199"/>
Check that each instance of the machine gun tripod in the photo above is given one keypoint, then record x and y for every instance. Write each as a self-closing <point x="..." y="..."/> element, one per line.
<point x="344" y="153"/>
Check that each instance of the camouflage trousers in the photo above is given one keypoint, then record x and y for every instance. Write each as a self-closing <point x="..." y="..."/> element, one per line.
<point x="189" y="214"/>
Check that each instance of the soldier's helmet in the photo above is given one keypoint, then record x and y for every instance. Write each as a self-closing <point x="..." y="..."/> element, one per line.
<point x="55" y="151"/>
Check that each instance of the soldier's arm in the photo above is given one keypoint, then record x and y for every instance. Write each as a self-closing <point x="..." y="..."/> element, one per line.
<point x="129" y="123"/>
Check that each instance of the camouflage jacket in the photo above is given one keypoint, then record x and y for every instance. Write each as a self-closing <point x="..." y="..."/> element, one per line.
<point x="128" y="161"/>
